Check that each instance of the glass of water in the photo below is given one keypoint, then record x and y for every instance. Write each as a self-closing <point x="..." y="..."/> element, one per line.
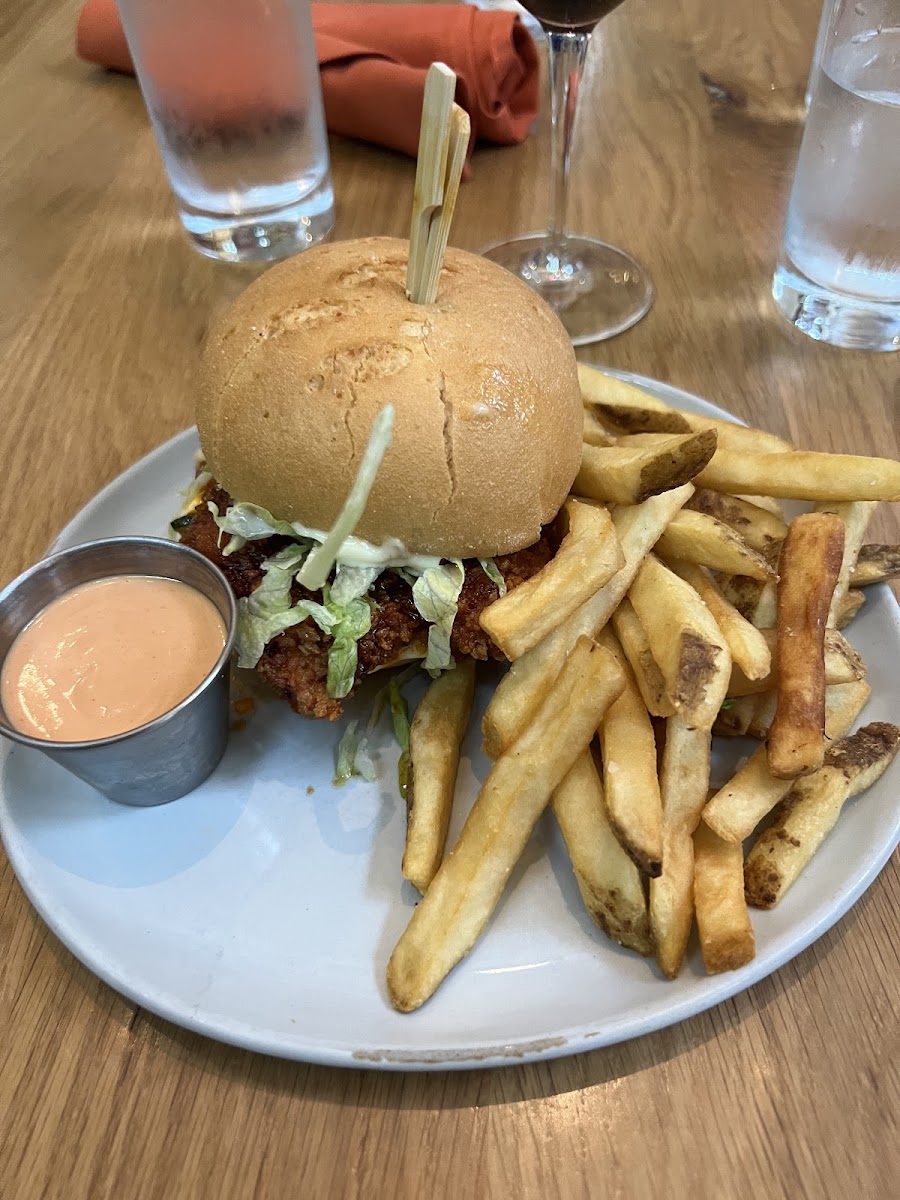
<point x="232" y="89"/>
<point x="838" y="274"/>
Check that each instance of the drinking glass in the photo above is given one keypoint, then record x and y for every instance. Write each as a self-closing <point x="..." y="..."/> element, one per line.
<point x="597" y="290"/>
<point x="817" y="53"/>
<point x="838" y="272"/>
<point x="232" y="89"/>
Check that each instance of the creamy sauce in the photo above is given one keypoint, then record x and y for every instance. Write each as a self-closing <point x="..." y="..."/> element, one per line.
<point x="109" y="656"/>
<point x="357" y="552"/>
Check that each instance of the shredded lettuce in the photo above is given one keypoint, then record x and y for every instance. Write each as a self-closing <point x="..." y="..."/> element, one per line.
<point x="399" y="713"/>
<point x="346" y="600"/>
<point x="436" y="596"/>
<point x="492" y="571"/>
<point x="392" y="693"/>
<point x="353" y="757"/>
<point x="255" y="633"/>
<point x="318" y="566"/>
<point x="273" y="594"/>
<point x="267" y="611"/>
<point x="408" y="577"/>
<point x="349" y="583"/>
<point x="352" y="621"/>
<point x="383" y="695"/>
<point x="344" y="613"/>
<point x="250" y="523"/>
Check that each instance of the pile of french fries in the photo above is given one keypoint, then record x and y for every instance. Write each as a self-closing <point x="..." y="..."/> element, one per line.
<point x="680" y="604"/>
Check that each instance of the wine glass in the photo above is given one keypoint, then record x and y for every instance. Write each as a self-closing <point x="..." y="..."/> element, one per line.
<point x="596" y="289"/>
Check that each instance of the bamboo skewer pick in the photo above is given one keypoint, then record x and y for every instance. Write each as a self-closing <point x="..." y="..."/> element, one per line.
<point x="443" y="140"/>
<point x="439" y="229"/>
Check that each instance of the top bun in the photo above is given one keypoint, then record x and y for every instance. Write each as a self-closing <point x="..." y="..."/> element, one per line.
<point x="487" y="431"/>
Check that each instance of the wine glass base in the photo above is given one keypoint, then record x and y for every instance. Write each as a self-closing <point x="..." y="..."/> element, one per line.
<point x="596" y="290"/>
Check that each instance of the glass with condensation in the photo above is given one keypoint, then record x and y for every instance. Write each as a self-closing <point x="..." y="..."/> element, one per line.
<point x="838" y="274"/>
<point x="232" y="89"/>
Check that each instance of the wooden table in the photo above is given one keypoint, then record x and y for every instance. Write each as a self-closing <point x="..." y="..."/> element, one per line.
<point x="692" y="114"/>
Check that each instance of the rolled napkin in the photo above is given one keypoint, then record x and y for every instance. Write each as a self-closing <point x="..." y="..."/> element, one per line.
<point x="373" y="59"/>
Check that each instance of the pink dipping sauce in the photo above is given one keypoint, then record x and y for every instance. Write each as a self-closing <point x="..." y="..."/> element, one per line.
<point x="109" y="656"/>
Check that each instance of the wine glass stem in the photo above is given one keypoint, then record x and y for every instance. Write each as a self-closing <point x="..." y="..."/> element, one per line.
<point x="567" y="51"/>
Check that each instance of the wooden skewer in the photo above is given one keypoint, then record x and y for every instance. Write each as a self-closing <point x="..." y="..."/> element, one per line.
<point x="439" y="229"/>
<point x="443" y="140"/>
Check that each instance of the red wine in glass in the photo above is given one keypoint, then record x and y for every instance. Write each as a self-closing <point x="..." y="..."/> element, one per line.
<point x="596" y="289"/>
<point x="570" y="14"/>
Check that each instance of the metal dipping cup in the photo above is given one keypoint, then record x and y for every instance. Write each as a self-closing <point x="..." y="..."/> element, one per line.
<point x="173" y="754"/>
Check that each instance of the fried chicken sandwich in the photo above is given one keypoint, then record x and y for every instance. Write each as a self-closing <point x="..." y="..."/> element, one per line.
<point x="376" y="472"/>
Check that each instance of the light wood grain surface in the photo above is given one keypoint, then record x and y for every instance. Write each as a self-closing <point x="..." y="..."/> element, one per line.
<point x="692" y="114"/>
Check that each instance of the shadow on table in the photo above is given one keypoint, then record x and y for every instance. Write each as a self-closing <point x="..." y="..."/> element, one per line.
<point x="153" y="1036"/>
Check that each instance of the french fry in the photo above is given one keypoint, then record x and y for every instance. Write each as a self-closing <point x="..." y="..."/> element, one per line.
<point x="850" y="606"/>
<point x="610" y="884"/>
<point x="629" y="475"/>
<point x="810" y="812"/>
<point x="760" y="528"/>
<point x="469" y="882"/>
<point x="875" y="564"/>
<point x="684" y="780"/>
<point x="685" y="640"/>
<point x="726" y="935"/>
<point x="593" y="433"/>
<point x="741" y="439"/>
<point x="803" y="475"/>
<point x="437" y="729"/>
<point x="738" y="807"/>
<point x="627" y="409"/>
<point x="735" y="716"/>
<point x="764" y="714"/>
<point x="632" y="637"/>
<point x="587" y="558"/>
<point x="769" y="503"/>
<point x="630" y="783"/>
<point x="755" y="600"/>
<point x="810" y="562"/>
<point x="842" y="665"/>
<point x="697" y="538"/>
<point x="523" y="687"/>
<point x="750" y="651"/>
<point x="855" y="516"/>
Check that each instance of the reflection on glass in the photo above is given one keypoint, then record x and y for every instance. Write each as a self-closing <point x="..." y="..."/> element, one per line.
<point x="597" y="290"/>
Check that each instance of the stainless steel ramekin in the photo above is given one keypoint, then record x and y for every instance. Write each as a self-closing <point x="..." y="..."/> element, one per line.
<point x="171" y="755"/>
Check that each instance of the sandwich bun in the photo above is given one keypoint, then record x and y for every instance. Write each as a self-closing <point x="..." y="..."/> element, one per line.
<point x="488" y="412"/>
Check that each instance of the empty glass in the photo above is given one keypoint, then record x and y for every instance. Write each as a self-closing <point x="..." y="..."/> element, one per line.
<point x="596" y="289"/>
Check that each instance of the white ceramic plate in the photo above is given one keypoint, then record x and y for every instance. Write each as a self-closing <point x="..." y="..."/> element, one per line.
<point x="261" y="910"/>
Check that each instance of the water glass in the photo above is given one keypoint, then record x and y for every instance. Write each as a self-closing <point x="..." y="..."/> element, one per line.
<point x="232" y="89"/>
<point x="838" y="273"/>
<point x="817" y="52"/>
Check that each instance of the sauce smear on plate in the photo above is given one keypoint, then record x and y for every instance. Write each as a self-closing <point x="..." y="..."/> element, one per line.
<point x="109" y="656"/>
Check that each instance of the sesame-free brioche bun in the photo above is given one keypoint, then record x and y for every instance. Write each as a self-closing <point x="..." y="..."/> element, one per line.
<point x="488" y="413"/>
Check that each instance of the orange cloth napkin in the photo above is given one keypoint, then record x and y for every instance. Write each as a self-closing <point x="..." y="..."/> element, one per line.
<point x="373" y="60"/>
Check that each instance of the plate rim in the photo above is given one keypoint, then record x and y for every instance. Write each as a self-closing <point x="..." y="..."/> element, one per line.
<point x="647" y="1018"/>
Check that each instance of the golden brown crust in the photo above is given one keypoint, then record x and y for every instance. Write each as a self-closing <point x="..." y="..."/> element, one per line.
<point x="697" y="668"/>
<point x="875" y="564"/>
<point x="810" y="563"/>
<point x="856" y="754"/>
<point x="487" y="436"/>
<point x="638" y="420"/>
<point x="678" y="468"/>
<point x="295" y="663"/>
<point x="759" y="528"/>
